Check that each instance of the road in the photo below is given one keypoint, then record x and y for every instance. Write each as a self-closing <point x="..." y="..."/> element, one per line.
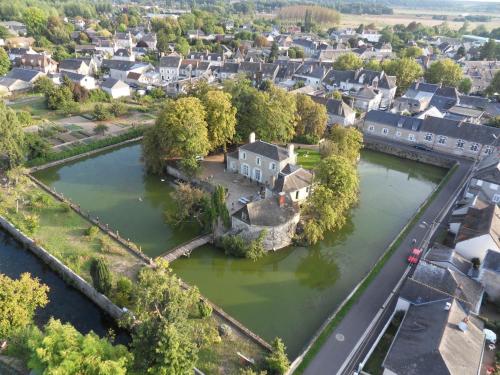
<point x="348" y="343"/>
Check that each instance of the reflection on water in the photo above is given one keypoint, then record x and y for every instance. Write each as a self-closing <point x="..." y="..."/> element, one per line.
<point x="288" y="293"/>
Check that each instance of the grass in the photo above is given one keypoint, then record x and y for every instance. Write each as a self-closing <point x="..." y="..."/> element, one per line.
<point x="307" y="159"/>
<point x="344" y="310"/>
<point x="374" y="364"/>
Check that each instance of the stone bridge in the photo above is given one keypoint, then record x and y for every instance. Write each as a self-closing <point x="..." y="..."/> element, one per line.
<point x="186" y="248"/>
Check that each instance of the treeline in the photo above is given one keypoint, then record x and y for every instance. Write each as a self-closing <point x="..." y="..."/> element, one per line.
<point x="365" y="8"/>
<point x="13" y="10"/>
<point x="319" y="15"/>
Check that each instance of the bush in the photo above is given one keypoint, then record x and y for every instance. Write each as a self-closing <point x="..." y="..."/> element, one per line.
<point x="99" y="96"/>
<point x="92" y="231"/>
<point x="101" y="113"/>
<point x="123" y="293"/>
<point x="24" y="118"/>
<point x="101" y="129"/>
<point x="32" y="223"/>
<point x="204" y="309"/>
<point x="234" y="245"/>
<point x="306" y="139"/>
<point x="277" y="361"/>
<point x="101" y="277"/>
<point x="118" y="109"/>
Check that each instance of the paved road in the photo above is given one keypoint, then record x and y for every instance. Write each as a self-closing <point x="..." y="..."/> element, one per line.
<point x="334" y="353"/>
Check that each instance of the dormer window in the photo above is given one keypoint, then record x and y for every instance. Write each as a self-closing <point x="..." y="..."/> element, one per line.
<point x="428" y="137"/>
<point x="442" y="140"/>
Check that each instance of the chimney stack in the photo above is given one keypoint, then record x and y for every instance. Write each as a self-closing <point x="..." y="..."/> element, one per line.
<point x="251" y="138"/>
<point x="281" y="199"/>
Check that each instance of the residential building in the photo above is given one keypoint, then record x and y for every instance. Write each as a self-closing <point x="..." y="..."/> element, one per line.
<point x="115" y="88"/>
<point x="123" y="40"/>
<point x="124" y="54"/>
<point x="77" y="66"/>
<point x="446" y="257"/>
<point x="366" y="99"/>
<point x="39" y="62"/>
<point x="417" y="98"/>
<point x="228" y="71"/>
<point x="19" y="52"/>
<point x="489" y="275"/>
<point x="18" y="80"/>
<point x="85" y="81"/>
<point x="338" y="111"/>
<point x="481" y="73"/>
<point x="15" y="27"/>
<point x="170" y="67"/>
<point x="294" y="182"/>
<point x="485" y="182"/>
<point x="119" y="70"/>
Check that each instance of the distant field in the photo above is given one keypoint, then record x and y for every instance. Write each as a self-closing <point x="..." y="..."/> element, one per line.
<point x="405" y="16"/>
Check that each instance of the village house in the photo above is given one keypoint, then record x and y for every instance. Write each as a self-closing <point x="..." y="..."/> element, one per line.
<point x="170" y="67"/>
<point x="338" y="111"/>
<point x="15" y="27"/>
<point x="481" y="73"/>
<point x="311" y="73"/>
<point x="39" y="62"/>
<point x="85" y="81"/>
<point x="119" y="70"/>
<point x="228" y="71"/>
<point x="19" y="52"/>
<point x="258" y="72"/>
<point x="123" y="54"/>
<point x="123" y="40"/>
<point x="489" y="275"/>
<point x="447" y="257"/>
<point x="485" y="182"/>
<point x="417" y="98"/>
<point x="366" y="99"/>
<point x="18" y="80"/>
<point x="115" y="88"/>
<point x="77" y="66"/>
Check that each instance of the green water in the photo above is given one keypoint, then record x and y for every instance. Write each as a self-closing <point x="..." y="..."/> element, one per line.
<point x="288" y="293"/>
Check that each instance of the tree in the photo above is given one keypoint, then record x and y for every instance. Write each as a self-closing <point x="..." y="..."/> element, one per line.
<point x="494" y="87"/>
<point x="411" y="52"/>
<point x="63" y="350"/>
<point x="373" y="64"/>
<point x="12" y="138"/>
<point x="180" y="131"/>
<point x="277" y="361"/>
<point x="406" y="70"/>
<point x="311" y="118"/>
<point x="165" y="338"/>
<point x="101" y="277"/>
<point x="4" y="62"/>
<point x="220" y="118"/>
<point x="118" y="108"/>
<point x="348" y="61"/>
<point x="43" y="85"/>
<point x="346" y="142"/>
<point x="36" y="146"/>
<point x="465" y="85"/>
<point x="19" y="300"/>
<point x="35" y="20"/>
<point x="274" y="52"/>
<point x="490" y="50"/>
<point x="338" y="174"/>
<point x="444" y="71"/>
<point x="276" y="122"/>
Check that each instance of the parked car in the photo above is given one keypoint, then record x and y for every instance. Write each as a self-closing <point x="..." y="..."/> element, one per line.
<point x="414" y="256"/>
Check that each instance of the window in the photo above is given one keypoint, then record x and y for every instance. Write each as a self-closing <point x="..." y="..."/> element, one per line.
<point x="257" y="160"/>
<point x="257" y="174"/>
<point x="272" y="166"/>
<point x="385" y="131"/>
<point x="488" y="150"/>
<point x="428" y="137"/>
<point x="493" y="186"/>
<point x="244" y="170"/>
<point x="371" y="128"/>
<point x="297" y="194"/>
<point x="474" y="147"/>
<point x="398" y="133"/>
<point x="243" y="155"/>
<point x="496" y="198"/>
<point x="460" y="143"/>
<point x="442" y="140"/>
<point x="411" y="137"/>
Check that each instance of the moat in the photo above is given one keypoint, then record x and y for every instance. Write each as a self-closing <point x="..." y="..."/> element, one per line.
<point x="288" y="293"/>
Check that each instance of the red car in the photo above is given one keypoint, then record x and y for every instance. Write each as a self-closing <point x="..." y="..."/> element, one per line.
<point x="414" y="256"/>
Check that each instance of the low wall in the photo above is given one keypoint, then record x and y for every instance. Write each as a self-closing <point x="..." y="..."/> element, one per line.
<point x="435" y="159"/>
<point x="66" y="273"/>
<point x="178" y="174"/>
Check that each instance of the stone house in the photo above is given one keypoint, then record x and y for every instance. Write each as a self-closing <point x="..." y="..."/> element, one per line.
<point x="446" y="257"/>
<point x="123" y="54"/>
<point x="261" y="161"/>
<point x="123" y="40"/>
<point x="366" y="99"/>
<point x="116" y="88"/>
<point x="119" y="70"/>
<point x="170" y="67"/>
<point x="18" y="80"/>
<point x="77" y="66"/>
<point x="294" y="183"/>
<point x="39" y="62"/>
<point x="85" y="81"/>
<point x="417" y="98"/>
<point x="338" y="111"/>
<point x="228" y="71"/>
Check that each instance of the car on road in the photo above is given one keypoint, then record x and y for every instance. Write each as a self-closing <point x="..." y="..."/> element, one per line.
<point x="414" y="256"/>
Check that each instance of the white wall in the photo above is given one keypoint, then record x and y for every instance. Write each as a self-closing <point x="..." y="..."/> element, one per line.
<point x="476" y="247"/>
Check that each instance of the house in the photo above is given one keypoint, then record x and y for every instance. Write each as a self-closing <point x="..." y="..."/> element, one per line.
<point x="309" y="46"/>
<point x="338" y="111"/>
<point x="150" y="41"/>
<point x="228" y="71"/>
<point x="431" y="283"/>
<point x="123" y="40"/>
<point x="476" y="231"/>
<point x="489" y="275"/>
<point x="446" y="257"/>
<point x="481" y="73"/>
<point x="215" y="59"/>
<point x="170" y="67"/>
<point x="485" y="182"/>
<point x="15" y="27"/>
<point x="437" y="338"/>
<point x="116" y="88"/>
<point x="85" y="81"/>
<point x="193" y="68"/>
<point x="77" y="66"/>
<point x="106" y="47"/>
<point x="261" y="161"/>
<point x="119" y="70"/>
<point x="370" y="35"/>
<point x="441" y="134"/>
<point x="366" y="99"/>
<point x="311" y="74"/>
<point x="294" y="182"/>
<point x="258" y="72"/>
<point x="149" y="78"/>
<point x="417" y="98"/>
<point x="39" y="62"/>
<point x="444" y="98"/>
<point x="18" y="52"/>
<point x="18" y="80"/>
<point x="123" y="54"/>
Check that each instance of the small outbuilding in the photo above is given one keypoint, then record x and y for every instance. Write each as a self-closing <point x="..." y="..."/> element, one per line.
<point x="116" y="88"/>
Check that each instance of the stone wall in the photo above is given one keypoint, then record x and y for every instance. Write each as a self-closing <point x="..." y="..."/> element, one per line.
<point x="178" y="174"/>
<point x="66" y="273"/>
<point x="411" y="154"/>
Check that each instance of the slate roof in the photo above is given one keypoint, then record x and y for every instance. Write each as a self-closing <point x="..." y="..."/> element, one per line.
<point x="491" y="261"/>
<point x="171" y="61"/>
<point x="111" y="83"/>
<point x="394" y="120"/>
<point x="334" y="106"/>
<point x="465" y="112"/>
<point x="266" y="212"/>
<point x="122" y="52"/>
<point x="267" y="149"/>
<point x="473" y="101"/>
<point x="71" y="64"/>
<point x="490" y="171"/>
<point x="430" y="283"/>
<point x="444" y="98"/>
<point x="444" y="254"/>
<point x="460" y="130"/>
<point x="75" y="77"/>
<point x="26" y="75"/>
<point x="292" y="178"/>
<point x="366" y="93"/>
<point x="229" y="68"/>
<point x="335" y="77"/>
<point x="118" y="64"/>
<point x="430" y="342"/>
<point x="478" y="222"/>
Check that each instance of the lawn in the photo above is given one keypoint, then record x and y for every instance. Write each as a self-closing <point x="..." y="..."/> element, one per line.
<point x="307" y="159"/>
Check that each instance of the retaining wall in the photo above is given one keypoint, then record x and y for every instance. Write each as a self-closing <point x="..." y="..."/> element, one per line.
<point x="66" y="273"/>
<point x="411" y="154"/>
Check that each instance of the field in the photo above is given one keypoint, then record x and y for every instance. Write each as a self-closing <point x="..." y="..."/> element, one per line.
<point x="405" y="16"/>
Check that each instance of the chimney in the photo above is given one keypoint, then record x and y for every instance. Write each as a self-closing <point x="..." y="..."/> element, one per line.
<point x="290" y="150"/>
<point x="251" y="138"/>
<point x="281" y="199"/>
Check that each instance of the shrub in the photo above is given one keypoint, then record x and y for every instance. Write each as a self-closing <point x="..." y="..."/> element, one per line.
<point x="101" y="113"/>
<point x="123" y="292"/>
<point x="118" y="109"/>
<point x="277" y="361"/>
<point x="99" y="96"/>
<point x="24" y="117"/>
<point x="256" y="248"/>
<point x="101" y="277"/>
<point x="101" y="129"/>
<point x="204" y="309"/>
<point x="92" y="231"/>
<point x="234" y="245"/>
<point x="32" y="223"/>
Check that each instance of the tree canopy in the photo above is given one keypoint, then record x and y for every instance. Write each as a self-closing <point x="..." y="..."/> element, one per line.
<point x="220" y="118"/>
<point x="348" y="61"/>
<point x="311" y="118"/>
<point x="444" y="71"/>
<point x="406" y="70"/>
<point x="12" y="139"/>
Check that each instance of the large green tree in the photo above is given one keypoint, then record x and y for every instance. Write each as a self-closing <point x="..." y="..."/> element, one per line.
<point x="406" y="70"/>
<point x="63" y="350"/>
<point x="220" y="117"/>
<point x="166" y="337"/>
<point x="18" y="301"/>
<point x="444" y="71"/>
<point x="180" y="131"/>
<point x="311" y="118"/>
<point x="36" y="21"/>
<point x="101" y="277"/>
<point x="348" y="61"/>
<point x="12" y="139"/>
<point x="277" y="120"/>
<point x="343" y="141"/>
<point x="494" y="87"/>
<point x="336" y="172"/>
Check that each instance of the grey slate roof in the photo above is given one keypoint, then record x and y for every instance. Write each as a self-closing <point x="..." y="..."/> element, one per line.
<point x="460" y="130"/>
<point x="444" y="98"/>
<point x="26" y="75"/>
<point x="491" y="261"/>
<point x="335" y="77"/>
<point x="478" y="222"/>
<point x="473" y="101"/>
<point x="430" y="342"/>
<point x="430" y="283"/>
<point x="292" y="178"/>
<point x="334" y="106"/>
<point x="111" y="82"/>
<point x="267" y="149"/>
<point x="266" y="212"/>
<point x="71" y="64"/>
<point x="394" y="120"/>
<point x="118" y="64"/>
<point x="443" y="254"/>
<point x="229" y="68"/>
<point x="171" y="61"/>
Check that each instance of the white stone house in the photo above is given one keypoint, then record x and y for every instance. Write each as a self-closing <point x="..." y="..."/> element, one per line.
<point x="116" y="88"/>
<point x="87" y="82"/>
<point x="77" y="66"/>
<point x="170" y="67"/>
